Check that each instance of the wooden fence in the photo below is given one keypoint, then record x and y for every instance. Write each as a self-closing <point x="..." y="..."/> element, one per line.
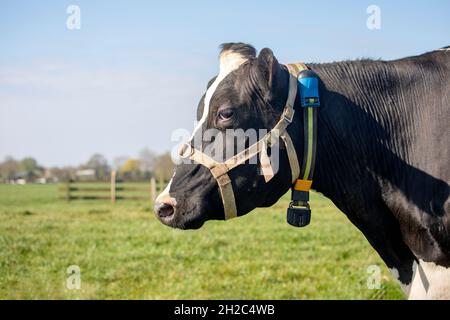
<point x="114" y="191"/>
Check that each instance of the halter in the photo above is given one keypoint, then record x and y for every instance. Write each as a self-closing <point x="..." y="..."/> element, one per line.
<point x="299" y="77"/>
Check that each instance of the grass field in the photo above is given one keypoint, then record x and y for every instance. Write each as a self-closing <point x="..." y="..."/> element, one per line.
<point x="125" y="253"/>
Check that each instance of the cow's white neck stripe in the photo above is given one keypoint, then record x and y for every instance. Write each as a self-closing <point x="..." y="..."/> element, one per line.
<point x="229" y="61"/>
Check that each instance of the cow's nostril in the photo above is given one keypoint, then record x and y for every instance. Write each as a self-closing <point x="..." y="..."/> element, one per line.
<point x="164" y="210"/>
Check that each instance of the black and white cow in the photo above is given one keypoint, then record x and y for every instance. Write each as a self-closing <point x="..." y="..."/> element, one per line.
<point x="383" y="154"/>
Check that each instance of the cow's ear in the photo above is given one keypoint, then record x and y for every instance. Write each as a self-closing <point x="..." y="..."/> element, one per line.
<point x="270" y="71"/>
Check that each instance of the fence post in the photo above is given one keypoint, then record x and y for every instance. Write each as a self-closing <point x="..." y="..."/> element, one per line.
<point x="113" y="186"/>
<point x="153" y="189"/>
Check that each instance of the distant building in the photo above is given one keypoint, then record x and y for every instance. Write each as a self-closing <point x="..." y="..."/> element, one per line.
<point x="19" y="181"/>
<point x="86" y="174"/>
<point x="22" y="177"/>
<point x="41" y="180"/>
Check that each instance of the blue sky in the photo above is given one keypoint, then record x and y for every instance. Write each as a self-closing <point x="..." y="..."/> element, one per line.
<point x="135" y="70"/>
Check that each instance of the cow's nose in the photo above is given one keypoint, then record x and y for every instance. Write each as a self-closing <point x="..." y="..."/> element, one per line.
<point x="164" y="210"/>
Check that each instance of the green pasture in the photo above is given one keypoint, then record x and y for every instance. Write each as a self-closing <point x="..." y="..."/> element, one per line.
<point x="124" y="253"/>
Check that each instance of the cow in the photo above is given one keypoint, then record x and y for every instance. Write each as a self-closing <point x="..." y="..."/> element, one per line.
<point x="383" y="154"/>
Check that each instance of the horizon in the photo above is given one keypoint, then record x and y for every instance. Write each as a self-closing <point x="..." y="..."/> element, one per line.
<point x="135" y="71"/>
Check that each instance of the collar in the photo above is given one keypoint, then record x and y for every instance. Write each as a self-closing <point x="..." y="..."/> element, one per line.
<point x="299" y="212"/>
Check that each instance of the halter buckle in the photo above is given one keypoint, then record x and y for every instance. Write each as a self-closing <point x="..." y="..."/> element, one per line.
<point x="288" y="114"/>
<point x="268" y="139"/>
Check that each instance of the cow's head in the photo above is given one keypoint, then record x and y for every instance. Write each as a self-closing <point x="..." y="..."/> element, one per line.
<point x="249" y="92"/>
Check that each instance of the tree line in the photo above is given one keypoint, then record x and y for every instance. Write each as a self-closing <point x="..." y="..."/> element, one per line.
<point x="97" y="168"/>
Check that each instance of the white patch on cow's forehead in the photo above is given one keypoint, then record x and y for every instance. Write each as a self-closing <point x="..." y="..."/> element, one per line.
<point x="229" y="61"/>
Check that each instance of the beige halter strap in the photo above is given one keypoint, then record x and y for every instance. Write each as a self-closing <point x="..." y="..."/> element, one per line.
<point x="220" y="170"/>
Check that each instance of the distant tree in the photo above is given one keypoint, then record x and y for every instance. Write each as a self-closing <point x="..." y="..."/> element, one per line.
<point x="164" y="167"/>
<point x="30" y="169"/>
<point x="29" y="165"/>
<point x="119" y="162"/>
<point x="131" y="169"/>
<point x="147" y="160"/>
<point x="8" y="169"/>
<point x="99" y="163"/>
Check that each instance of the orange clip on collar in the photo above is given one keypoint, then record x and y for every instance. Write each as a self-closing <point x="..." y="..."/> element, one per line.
<point x="302" y="185"/>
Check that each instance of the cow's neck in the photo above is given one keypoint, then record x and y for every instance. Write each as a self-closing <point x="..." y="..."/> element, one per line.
<point x="352" y="161"/>
<point x="350" y="153"/>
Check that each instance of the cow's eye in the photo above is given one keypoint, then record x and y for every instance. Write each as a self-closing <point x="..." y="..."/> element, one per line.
<point x="226" y="114"/>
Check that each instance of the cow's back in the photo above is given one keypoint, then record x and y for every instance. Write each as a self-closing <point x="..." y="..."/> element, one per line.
<point x="423" y="90"/>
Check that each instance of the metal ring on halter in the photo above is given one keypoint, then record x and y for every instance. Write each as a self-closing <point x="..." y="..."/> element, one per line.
<point x="299" y="204"/>
<point x="186" y="150"/>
